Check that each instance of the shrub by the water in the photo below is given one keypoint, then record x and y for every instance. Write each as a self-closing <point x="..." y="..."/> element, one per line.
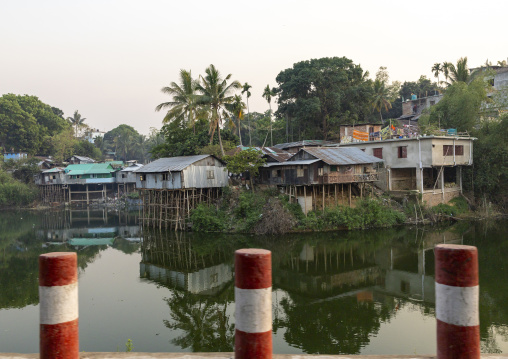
<point x="15" y="193"/>
<point x="208" y="219"/>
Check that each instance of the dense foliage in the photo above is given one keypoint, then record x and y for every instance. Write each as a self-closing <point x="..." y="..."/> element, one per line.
<point x="320" y="94"/>
<point x="14" y="192"/>
<point x="27" y="124"/>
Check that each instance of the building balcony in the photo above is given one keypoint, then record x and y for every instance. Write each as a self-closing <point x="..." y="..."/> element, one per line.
<point x="335" y="177"/>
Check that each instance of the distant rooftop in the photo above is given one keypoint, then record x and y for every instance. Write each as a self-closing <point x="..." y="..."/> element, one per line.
<point x="171" y="164"/>
<point x="303" y="143"/>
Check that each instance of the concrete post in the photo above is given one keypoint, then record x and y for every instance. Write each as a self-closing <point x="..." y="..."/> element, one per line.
<point x="58" y="295"/>
<point x="253" y="298"/>
<point x="457" y="292"/>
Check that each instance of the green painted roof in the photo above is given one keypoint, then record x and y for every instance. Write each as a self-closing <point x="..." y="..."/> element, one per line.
<point x="89" y="168"/>
<point x="91" y="241"/>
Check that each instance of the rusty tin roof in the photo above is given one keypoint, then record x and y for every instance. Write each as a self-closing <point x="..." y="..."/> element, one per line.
<point x="341" y="156"/>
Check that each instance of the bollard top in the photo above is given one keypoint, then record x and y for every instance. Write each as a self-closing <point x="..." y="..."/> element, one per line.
<point x="58" y="268"/>
<point x="253" y="252"/>
<point x="455" y="247"/>
<point x="456" y="265"/>
<point x="253" y="268"/>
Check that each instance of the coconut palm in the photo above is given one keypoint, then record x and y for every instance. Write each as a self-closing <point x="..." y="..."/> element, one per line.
<point x="436" y="69"/>
<point x="77" y="121"/>
<point x="446" y="69"/>
<point x="245" y="89"/>
<point x="267" y="95"/>
<point x="381" y="97"/>
<point x="183" y="106"/>
<point x="460" y="72"/>
<point x="215" y="93"/>
<point x="236" y="110"/>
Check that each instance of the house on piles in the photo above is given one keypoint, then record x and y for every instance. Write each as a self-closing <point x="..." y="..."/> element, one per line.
<point x="171" y="187"/>
<point x="318" y="176"/>
<point x="427" y="165"/>
<point x="90" y="182"/>
<point x="126" y="178"/>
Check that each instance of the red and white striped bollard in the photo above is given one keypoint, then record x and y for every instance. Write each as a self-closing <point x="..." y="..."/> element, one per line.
<point x="457" y="299"/>
<point x="58" y="296"/>
<point x="253" y="300"/>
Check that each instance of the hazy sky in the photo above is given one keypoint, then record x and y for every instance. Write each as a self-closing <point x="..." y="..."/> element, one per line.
<point x="109" y="59"/>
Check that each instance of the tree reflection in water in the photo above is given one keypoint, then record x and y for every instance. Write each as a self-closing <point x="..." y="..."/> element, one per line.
<point x="203" y="320"/>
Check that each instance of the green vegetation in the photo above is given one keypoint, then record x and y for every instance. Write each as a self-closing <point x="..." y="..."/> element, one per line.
<point x="269" y="212"/>
<point x="14" y="193"/>
<point x="27" y="124"/>
<point x="453" y="208"/>
<point x="368" y="213"/>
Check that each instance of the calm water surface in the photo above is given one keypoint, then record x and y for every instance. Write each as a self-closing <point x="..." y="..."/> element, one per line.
<point x="362" y="292"/>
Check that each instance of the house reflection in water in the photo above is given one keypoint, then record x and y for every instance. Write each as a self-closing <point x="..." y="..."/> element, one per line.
<point x="171" y="260"/>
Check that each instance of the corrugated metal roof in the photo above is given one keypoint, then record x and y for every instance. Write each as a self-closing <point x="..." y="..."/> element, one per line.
<point x="170" y="164"/>
<point x="303" y="143"/>
<point x="291" y="163"/>
<point x="341" y="156"/>
<point x="55" y="169"/>
<point x="89" y="168"/>
<point x="132" y="168"/>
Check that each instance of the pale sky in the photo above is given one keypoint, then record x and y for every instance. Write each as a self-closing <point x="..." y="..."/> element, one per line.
<point x="109" y="59"/>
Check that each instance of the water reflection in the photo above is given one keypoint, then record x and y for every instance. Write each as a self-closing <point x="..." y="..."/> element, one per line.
<point x="332" y="292"/>
<point x="25" y="235"/>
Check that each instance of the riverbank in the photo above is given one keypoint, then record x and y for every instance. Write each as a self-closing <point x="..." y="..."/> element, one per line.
<point x="271" y="212"/>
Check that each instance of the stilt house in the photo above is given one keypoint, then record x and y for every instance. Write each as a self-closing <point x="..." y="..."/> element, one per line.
<point x="185" y="172"/>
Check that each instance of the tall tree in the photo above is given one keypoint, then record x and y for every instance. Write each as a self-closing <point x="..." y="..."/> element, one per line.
<point x="77" y="121"/>
<point x="384" y="93"/>
<point x="245" y="89"/>
<point x="267" y="95"/>
<point x="446" y="69"/>
<point x="236" y="110"/>
<point x="215" y="94"/>
<point x="183" y="107"/>
<point x="460" y="72"/>
<point x="436" y="69"/>
<point x="321" y="94"/>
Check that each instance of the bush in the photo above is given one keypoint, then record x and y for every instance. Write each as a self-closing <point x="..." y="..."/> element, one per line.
<point x="15" y="193"/>
<point x="133" y="195"/>
<point x="208" y="219"/>
<point x="455" y="207"/>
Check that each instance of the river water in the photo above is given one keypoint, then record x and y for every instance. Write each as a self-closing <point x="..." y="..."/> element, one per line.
<point x="358" y="292"/>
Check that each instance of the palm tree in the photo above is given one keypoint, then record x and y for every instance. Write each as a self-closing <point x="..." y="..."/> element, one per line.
<point x="245" y="89"/>
<point x="77" y="121"/>
<point x="437" y="70"/>
<point x="381" y="97"/>
<point x="267" y="95"/>
<point x="446" y="69"/>
<point x="183" y="108"/>
<point x="460" y="72"/>
<point x="215" y="94"/>
<point x="236" y="110"/>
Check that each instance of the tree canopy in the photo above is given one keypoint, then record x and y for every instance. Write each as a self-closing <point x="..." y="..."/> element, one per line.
<point x="321" y="94"/>
<point x="26" y="123"/>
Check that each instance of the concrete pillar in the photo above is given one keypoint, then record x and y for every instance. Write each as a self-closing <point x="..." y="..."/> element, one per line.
<point x="253" y="300"/>
<point x="58" y="294"/>
<point x="419" y="179"/>
<point x="457" y="301"/>
<point x="441" y="181"/>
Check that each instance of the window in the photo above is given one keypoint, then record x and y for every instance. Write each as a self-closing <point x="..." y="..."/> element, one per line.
<point x="141" y="177"/>
<point x="210" y="174"/>
<point x="377" y="152"/>
<point x="124" y="175"/>
<point x="299" y="172"/>
<point x="320" y="171"/>
<point x="447" y="150"/>
<point x="459" y="150"/>
<point x="402" y="152"/>
<point x="275" y="173"/>
<point x="165" y="176"/>
<point x="333" y="168"/>
<point x="279" y="173"/>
